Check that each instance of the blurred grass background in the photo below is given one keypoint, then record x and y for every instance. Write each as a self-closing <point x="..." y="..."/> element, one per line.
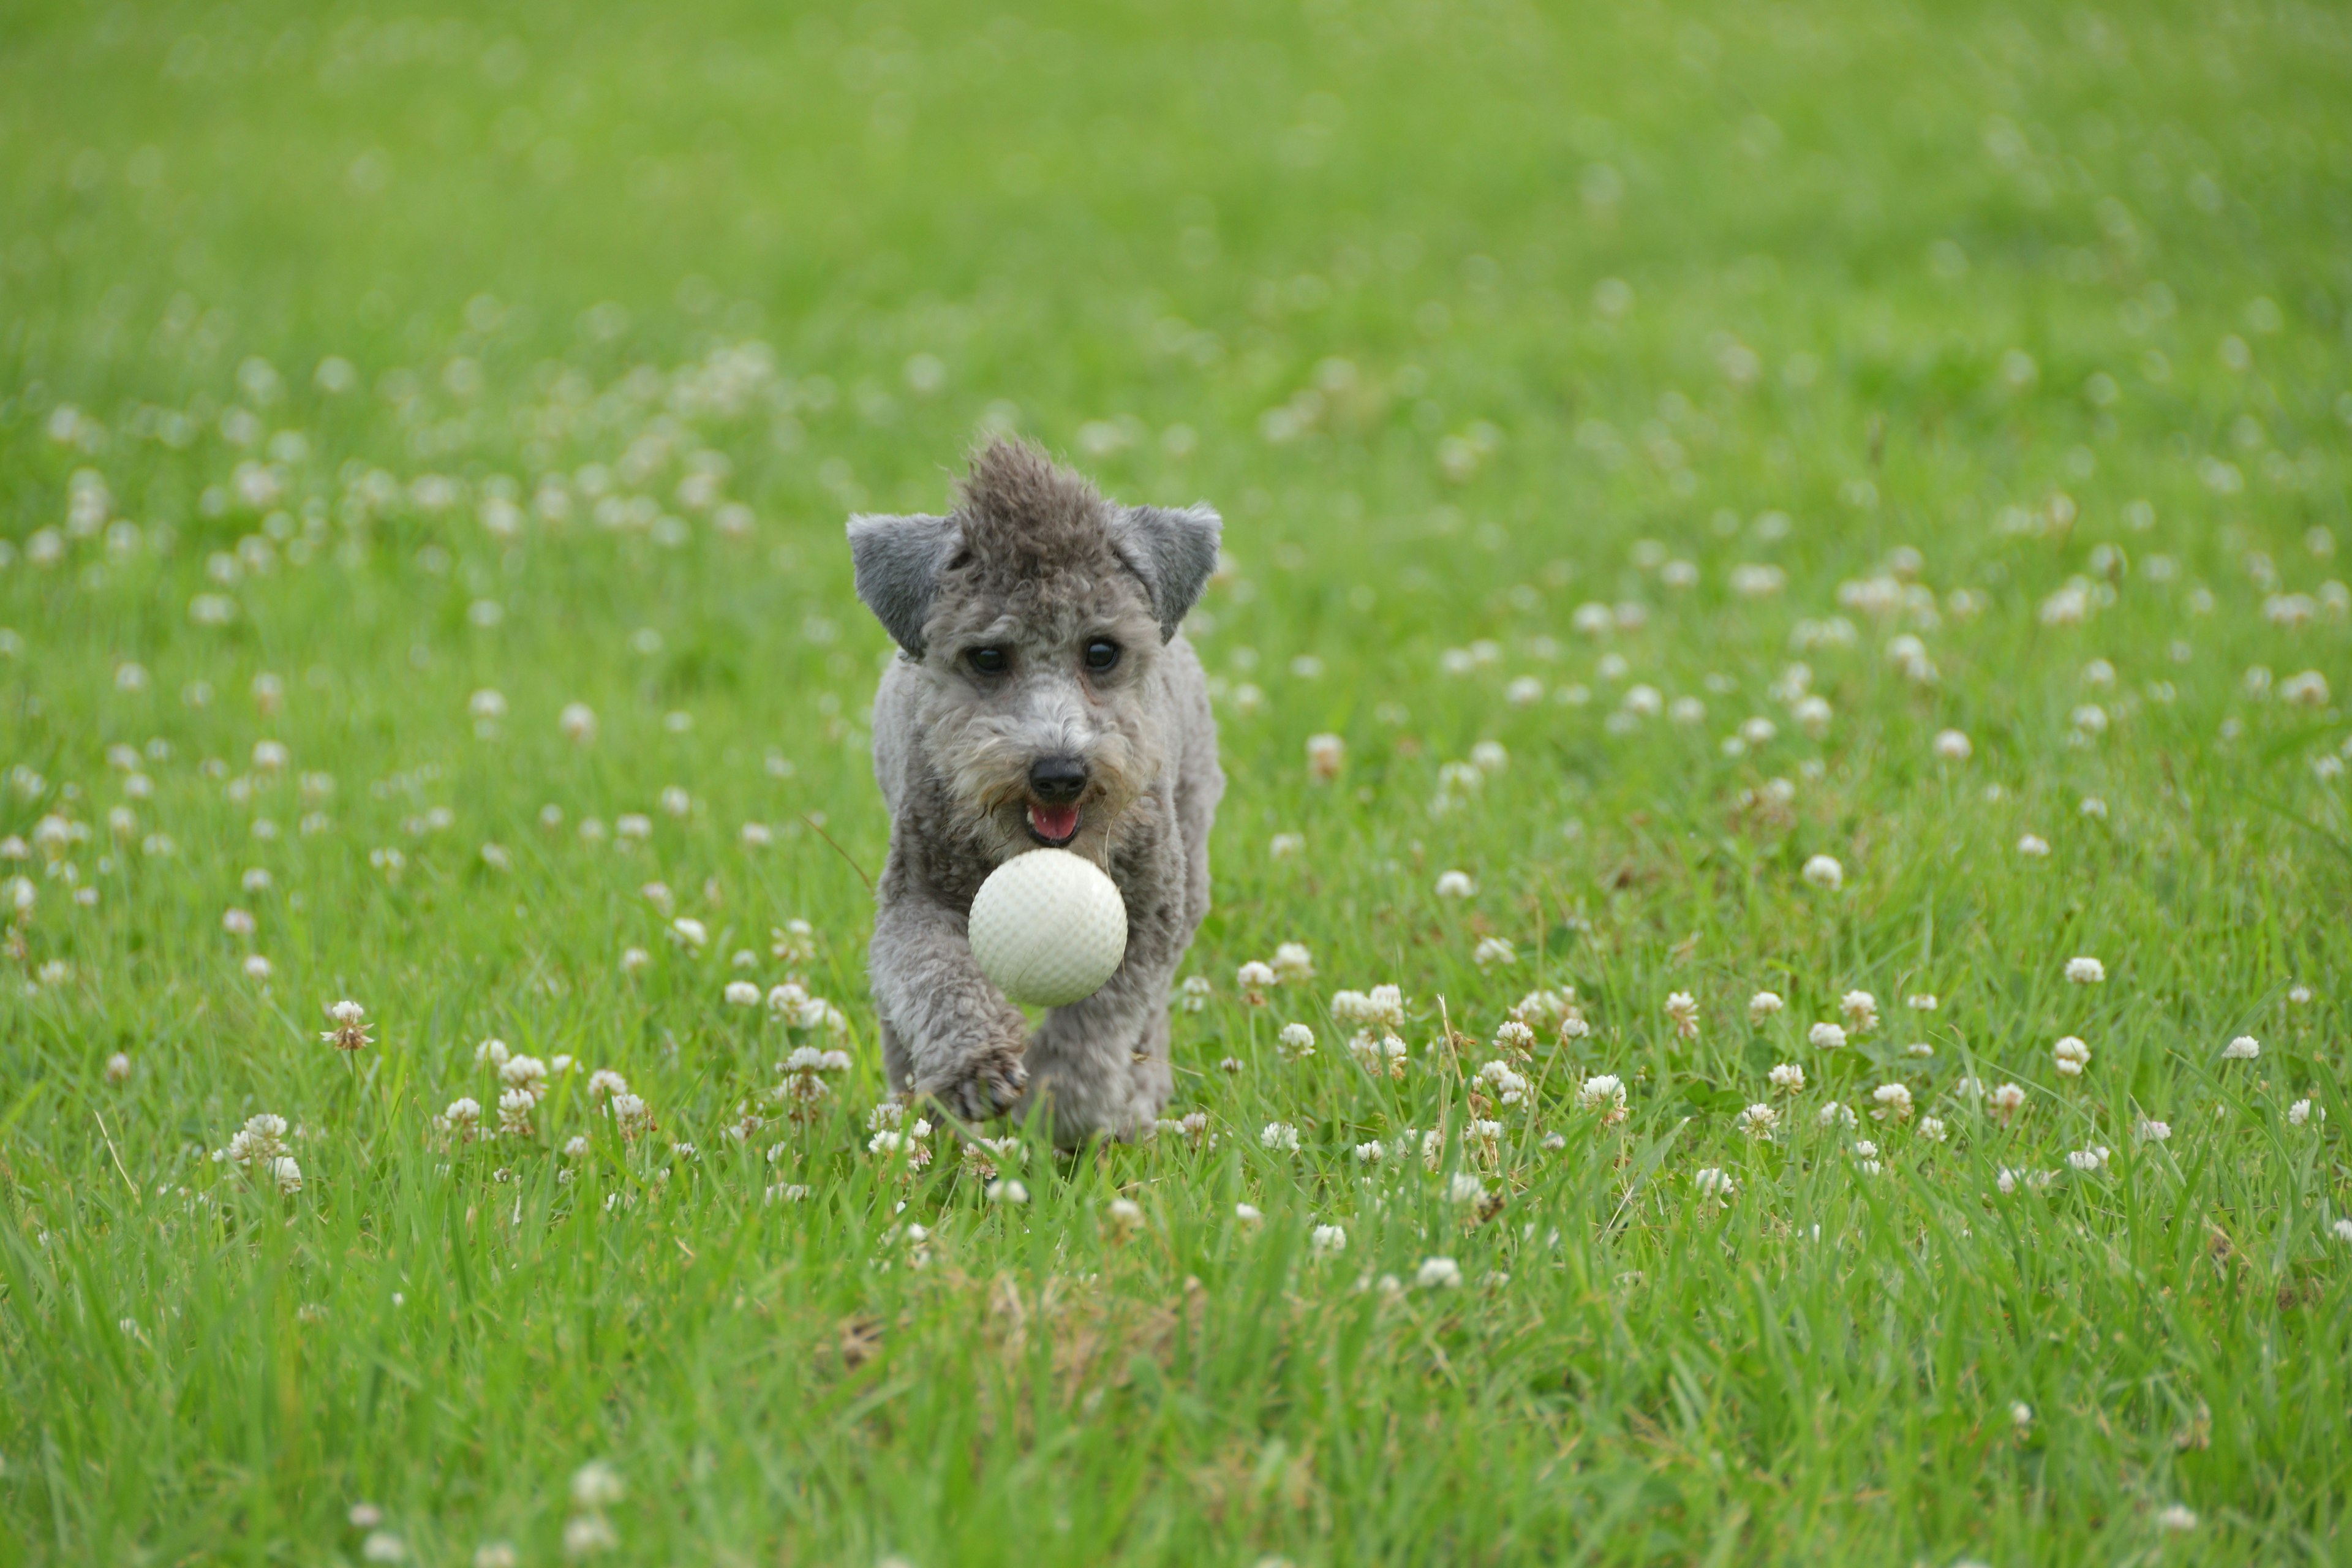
<point x="1465" y="316"/>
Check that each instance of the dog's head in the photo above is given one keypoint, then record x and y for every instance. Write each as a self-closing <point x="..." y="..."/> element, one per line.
<point x="1035" y="611"/>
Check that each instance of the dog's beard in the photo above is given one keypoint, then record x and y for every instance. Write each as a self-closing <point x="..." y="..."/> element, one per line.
<point x="988" y="776"/>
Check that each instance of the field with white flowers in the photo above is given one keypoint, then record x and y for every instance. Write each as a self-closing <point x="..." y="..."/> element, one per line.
<point x="1779" y="989"/>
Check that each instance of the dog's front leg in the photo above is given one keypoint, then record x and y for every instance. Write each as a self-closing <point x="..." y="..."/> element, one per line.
<point x="1100" y="1064"/>
<point x="959" y="1039"/>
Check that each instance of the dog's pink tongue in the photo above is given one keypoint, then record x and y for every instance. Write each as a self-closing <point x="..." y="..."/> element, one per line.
<point x="1054" y="821"/>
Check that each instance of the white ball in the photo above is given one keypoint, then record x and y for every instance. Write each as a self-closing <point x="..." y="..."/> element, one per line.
<point x="1049" y="928"/>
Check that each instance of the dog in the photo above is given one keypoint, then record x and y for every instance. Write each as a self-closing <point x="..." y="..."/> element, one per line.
<point x="1044" y="694"/>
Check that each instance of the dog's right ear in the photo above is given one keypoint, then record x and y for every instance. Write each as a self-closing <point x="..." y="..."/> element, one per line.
<point x="898" y="561"/>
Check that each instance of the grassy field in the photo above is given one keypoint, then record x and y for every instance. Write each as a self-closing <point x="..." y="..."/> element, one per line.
<point x="1838" y="500"/>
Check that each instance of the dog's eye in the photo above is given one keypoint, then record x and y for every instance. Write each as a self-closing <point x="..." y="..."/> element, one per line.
<point x="1101" y="653"/>
<point x="989" y="661"/>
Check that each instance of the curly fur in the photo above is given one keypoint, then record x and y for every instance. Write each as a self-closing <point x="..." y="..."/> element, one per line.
<point x="1036" y="562"/>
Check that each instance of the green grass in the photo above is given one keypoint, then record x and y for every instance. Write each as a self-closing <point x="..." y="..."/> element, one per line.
<point x="1465" y="316"/>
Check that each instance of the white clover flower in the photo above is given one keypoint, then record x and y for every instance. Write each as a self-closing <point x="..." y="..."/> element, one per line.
<point x="741" y="993"/>
<point x="1952" y="746"/>
<point x="2150" y="1131"/>
<point x="1293" y="964"/>
<point x="1713" y="1181"/>
<point x="1326" y="754"/>
<point x="1438" y="1274"/>
<point x="1192" y="996"/>
<point x="1508" y="1084"/>
<point x="633" y="959"/>
<point x="1007" y="1191"/>
<point x="2176" y="1517"/>
<point x="515" y="1106"/>
<point x="1758" y="1120"/>
<point x="2244" y="1048"/>
<point x="1682" y="1011"/>
<point x="1861" y="1010"/>
<point x="1328" y="1241"/>
<point x="1921" y="1002"/>
<point x="350" y="1030"/>
<point x="688" y="931"/>
<point x="118" y="1068"/>
<point x="1279" y="1136"/>
<point x="1493" y="951"/>
<point x="1254" y="980"/>
<point x="1514" y="1039"/>
<point x="526" y="1073"/>
<point x="1826" y="1036"/>
<point x="2085" y="971"/>
<point x="2072" y="1056"/>
<point x="578" y="723"/>
<point x="1382" y="1054"/>
<point x="1787" y="1076"/>
<point x="1371" y="1153"/>
<point x="1932" y="1129"/>
<point x="2343" y="1230"/>
<point x="1466" y="1189"/>
<point x="2297" y="1114"/>
<point x="1382" y="1007"/>
<point x="287" y="1173"/>
<point x="1296" y="1040"/>
<point x="1834" y="1115"/>
<point x="2309" y="690"/>
<point x="1249" y="1216"/>
<point x="596" y="1484"/>
<point x="1763" y="1005"/>
<point x="2087" y="1159"/>
<point x="2034" y="845"/>
<point x="1126" y="1217"/>
<point x="1604" y="1093"/>
<point x="1894" y="1101"/>
<point x="1824" y="871"/>
<point x="1455" y="885"/>
<point x="1543" y="1006"/>
<point x="2007" y="1101"/>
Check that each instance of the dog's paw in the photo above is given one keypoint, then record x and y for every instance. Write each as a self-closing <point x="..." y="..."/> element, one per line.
<point x="988" y="1085"/>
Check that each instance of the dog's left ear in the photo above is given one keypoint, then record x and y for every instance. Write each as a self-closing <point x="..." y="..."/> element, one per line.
<point x="898" y="561"/>
<point x="1173" y="552"/>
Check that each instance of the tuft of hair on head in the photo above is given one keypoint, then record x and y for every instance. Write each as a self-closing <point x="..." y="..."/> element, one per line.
<point x="1022" y="519"/>
<point x="1025" y="513"/>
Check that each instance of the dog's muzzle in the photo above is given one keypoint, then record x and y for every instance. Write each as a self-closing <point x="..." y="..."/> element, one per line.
<point x="1055" y="785"/>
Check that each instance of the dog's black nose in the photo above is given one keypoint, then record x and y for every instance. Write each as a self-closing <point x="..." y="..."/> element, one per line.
<point x="1057" y="779"/>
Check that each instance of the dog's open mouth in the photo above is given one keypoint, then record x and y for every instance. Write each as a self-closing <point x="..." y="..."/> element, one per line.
<point x="1052" y="826"/>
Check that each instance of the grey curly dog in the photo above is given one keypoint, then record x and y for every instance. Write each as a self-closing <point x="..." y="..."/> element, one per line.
<point x="1043" y="695"/>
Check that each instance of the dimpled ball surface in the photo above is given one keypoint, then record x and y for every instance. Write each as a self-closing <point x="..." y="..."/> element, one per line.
<point x="1049" y="927"/>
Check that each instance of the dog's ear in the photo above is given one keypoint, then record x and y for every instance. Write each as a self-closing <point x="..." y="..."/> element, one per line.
<point x="1173" y="552"/>
<point x="898" y="561"/>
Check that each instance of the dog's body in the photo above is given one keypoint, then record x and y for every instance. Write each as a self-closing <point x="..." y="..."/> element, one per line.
<point x="1043" y="695"/>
